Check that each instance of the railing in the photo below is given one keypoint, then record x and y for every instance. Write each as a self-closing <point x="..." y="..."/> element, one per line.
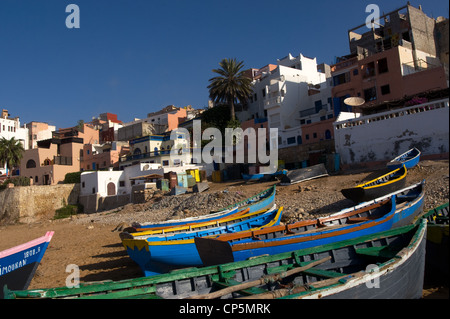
<point x="62" y="160"/>
<point x="391" y="114"/>
<point x="147" y="155"/>
<point x="273" y="101"/>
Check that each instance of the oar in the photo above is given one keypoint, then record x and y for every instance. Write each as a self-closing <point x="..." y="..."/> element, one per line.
<point x="260" y="281"/>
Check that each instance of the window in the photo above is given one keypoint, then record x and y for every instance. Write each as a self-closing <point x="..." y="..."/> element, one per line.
<point x="341" y="78"/>
<point x="121" y="183"/>
<point x="318" y="105"/>
<point x="83" y="185"/>
<point x="314" y="135"/>
<point x="165" y="163"/>
<point x="382" y="66"/>
<point x="355" y="71"/>
<point x="36" y="179"/>
<point x="264" y="92"/>
<point x="370" y="94"/>
<point x="291" y="140"/>
<point x="385" y="89"/>
<point x="31" y="164"/>
<point x="307" y="136"/>
<point x="369" y="69"/>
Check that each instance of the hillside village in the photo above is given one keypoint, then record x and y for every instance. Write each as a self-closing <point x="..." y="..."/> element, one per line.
<point x="399" y="69"/>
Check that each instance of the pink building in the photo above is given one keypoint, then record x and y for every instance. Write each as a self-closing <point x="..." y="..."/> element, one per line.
<point x="102" y="156"/>
<point x="385" y="76"/>
<point x="54" y="158"/>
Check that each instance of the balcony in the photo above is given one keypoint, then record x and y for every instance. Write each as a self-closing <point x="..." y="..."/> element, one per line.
<point x="140" y="156"/>
<point x="273" y="101"/>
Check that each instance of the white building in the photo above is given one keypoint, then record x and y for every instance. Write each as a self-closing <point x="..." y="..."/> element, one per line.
<point x="296" y="92"/>
<point x="382" y="136"/>
<point x="9" y="128"/>
<point x="109" y="183"/>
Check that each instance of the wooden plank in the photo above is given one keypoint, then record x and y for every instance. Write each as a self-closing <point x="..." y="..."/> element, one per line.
<point x="323" y="273"/>
<point x="381" y="251"/>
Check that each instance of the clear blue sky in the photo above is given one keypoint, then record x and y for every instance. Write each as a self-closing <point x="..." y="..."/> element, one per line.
<point x="132" y="57"/>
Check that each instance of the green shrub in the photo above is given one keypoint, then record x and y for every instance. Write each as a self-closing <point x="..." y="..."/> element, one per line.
<point x="67" y="211"/>
<point x="72" y="178"/>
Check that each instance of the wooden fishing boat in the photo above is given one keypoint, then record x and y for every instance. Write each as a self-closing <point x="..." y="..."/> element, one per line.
<point x="410" y="159"/>
<point x="242" y="216"/>
<point x="377" y="187"/>
<point x="398" y="210"/>
<point x="437" y="258"/>
<point x="160" y="254"/>
<point x="18" y="264"/>
<point x="258" y="202"/>
<point x="338" y="270"/>
<point x="304" y="174"/>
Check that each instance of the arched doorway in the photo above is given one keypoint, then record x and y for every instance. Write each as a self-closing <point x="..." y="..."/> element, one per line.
<point x="111" y="189"/>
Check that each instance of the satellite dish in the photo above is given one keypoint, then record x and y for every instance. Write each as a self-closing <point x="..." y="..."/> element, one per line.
<point x="354" y="101"/>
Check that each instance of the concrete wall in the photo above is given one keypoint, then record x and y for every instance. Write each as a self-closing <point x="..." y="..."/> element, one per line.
<point x="30" y="203"/>
<point x="94" y="203"/>
<point x="383" y="136"/>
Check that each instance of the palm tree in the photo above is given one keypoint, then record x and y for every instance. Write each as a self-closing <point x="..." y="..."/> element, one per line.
<point x="11" y="152"/>
<point x="231" y="85"/>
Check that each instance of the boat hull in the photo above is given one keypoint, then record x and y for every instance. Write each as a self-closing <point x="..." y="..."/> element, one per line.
<point x="303" y="174"/>
<point x="156" y="255"/>
<point x="18" y="264"/>
<point x="367" y="191"/>
<point x="410" y="159"/>
<point x="261" y="201"/>
<point x="399" y="279"/>
<point x="437" y="257"/>
<point x="213" y="251"/>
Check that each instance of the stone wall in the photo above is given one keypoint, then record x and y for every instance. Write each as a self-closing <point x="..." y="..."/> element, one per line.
<point x="26" y="204"/>
<point x="94" y="203"/>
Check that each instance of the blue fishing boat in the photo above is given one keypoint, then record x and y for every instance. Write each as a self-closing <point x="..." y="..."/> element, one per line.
<point x="159" y="254"/>
<point x="258" y="202"/>
<point x="410" y="159"/>
<point x="390" y="211"/>
<point x="18" y="264"/>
